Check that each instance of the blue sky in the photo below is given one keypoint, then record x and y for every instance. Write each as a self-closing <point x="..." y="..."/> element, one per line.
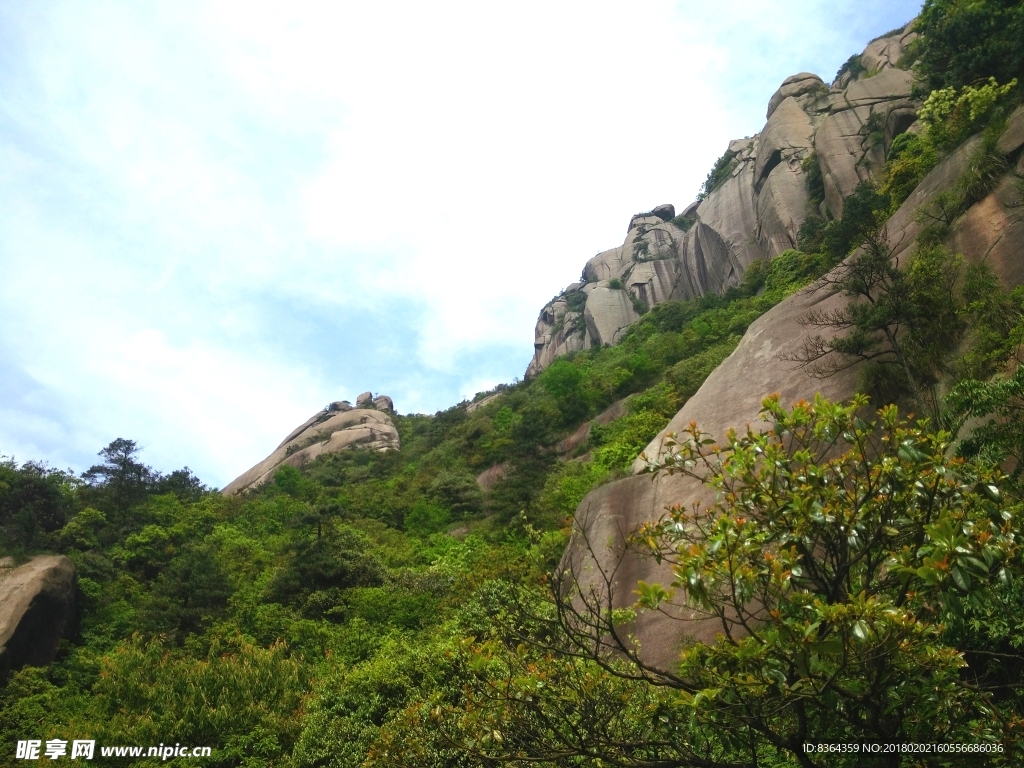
<point x="216" y="217"/>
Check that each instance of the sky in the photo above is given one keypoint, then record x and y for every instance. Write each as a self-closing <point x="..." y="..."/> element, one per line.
<point x="217" y="217"/>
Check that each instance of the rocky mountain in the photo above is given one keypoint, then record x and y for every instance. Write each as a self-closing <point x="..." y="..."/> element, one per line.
<point x="338" y="427"/>
<point x="753" y="210"/>
<point x="990" y="231"/>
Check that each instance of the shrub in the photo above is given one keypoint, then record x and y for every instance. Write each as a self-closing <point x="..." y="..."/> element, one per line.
<point x="949" y="115"/>
<point x="683" y="222"/>
<point x="813" y="179"/>
<point x="964" y="42"/>
<point x="720" y="171"/>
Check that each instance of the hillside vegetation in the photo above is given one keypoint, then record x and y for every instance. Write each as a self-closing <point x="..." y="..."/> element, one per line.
<point x="382" y="609"/>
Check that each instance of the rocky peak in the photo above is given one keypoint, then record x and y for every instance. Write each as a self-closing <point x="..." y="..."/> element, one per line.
<point x="338" y="427"/>
<point x="755" y="211"/>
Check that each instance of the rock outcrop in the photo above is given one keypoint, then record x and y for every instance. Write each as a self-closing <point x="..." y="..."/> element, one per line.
<point x="338" y="427"/>
<point x="756" y="210"/>
<point x="38" y="607"/>
<point x="991" y="231"/>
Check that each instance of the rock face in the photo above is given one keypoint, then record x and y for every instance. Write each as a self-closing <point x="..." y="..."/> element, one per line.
<point x="37" y="608"/>
<point x="755" y="213"/>
<point x="338" y="427"/>
<point x="991" y="231"/>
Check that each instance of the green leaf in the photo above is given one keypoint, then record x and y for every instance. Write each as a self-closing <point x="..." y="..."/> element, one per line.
<point x="960" y="578"/>
<point x="860" y="630"/>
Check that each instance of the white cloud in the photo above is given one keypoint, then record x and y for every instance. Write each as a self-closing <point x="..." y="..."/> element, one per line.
<point x="217" y="216"/>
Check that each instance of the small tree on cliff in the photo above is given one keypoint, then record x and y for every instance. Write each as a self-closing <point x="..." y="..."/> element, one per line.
<point x="831" y="559"/>
<point x="903" y="322"/>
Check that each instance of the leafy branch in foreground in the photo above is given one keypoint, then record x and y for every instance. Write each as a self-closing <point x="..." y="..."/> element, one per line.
<point x="834" y="555"/>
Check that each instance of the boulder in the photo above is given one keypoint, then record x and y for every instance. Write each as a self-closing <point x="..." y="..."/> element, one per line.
<point x="607" y="314"/>
<point x="365" y="400"/>
<point x="490" y="477"/>
<point x="328" y="431"/>
<point x="885" y="52"/>
<point x="794" y="86"/>
<point x="38" y="607"/>
<point x="384" y="403"/>
<point x="722" y="243"/>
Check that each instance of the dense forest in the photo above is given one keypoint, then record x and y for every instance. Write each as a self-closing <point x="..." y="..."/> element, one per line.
<point x="383" y="609"/>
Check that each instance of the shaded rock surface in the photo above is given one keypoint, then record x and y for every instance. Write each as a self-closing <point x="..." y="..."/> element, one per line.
<point x="338" y="427"/>
<point x="755" y="213"/>
<point x="38" y="604"/>
<point x="992" y="230"/>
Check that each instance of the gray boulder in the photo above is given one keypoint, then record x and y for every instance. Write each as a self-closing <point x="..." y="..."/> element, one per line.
<point x="329" y="431"/>
<point x="38" y="607"/>
<point x="384" y="403"/>
<point x="803" y="84"/>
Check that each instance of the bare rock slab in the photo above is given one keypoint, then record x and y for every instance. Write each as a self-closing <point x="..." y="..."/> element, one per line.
<point x="38" y="607"/>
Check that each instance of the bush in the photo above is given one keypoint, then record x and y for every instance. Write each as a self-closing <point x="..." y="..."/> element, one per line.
<point x="718" y="174"/>
<point x="964" y="42"/>
<point x="949" y="116"/>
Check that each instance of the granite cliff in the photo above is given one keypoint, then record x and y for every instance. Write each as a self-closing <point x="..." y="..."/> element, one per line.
<point x="754" y="209"/>
<point x="990" y="231"/>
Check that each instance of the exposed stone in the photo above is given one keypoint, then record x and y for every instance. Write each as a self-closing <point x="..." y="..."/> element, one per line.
<point x="795" y="85"/>
<point x="384" y="403"/>
<point x="328" y="431"/>
<point x="569" y="444"/>
<point x="1013" y="137"/>
<point x="608" y="314"/>
<point x="787" y="137"/>
<point x="722" y="243"/>
<point x="365" y="400"/>
<point x="38" y="604"/>
<point x="732" y="395"/>
<point x="653" y="217"/>
<point x="885" y="52"/>
<point x="757" y="211"/>
<point x="490" y="477"/>
<point x="481" y="403"/>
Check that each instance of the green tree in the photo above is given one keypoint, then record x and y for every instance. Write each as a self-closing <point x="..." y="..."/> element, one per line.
<point x="832" y="560"/>
<point x="121" y="481"/>
<point x="964" y="42"/>
<point x="34" y="500"/>
<point x="903" y="322"/>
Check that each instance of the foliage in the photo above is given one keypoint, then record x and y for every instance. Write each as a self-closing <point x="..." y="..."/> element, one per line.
<point x="814" y="180"/>
<point x="863" y="212"/>
<point x="910" y="159"/>
<point x="950" y="115"/>
<point x="34" y="502"/>
<point x="718" y="174"/>
<point x="840" y="561"/>
<point x="683" y="222"/>
<point x="964" y="42"/>
<point x="1000" y="404"/>
<point x="907" y="320"/>
<point x="853" y="67"/>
